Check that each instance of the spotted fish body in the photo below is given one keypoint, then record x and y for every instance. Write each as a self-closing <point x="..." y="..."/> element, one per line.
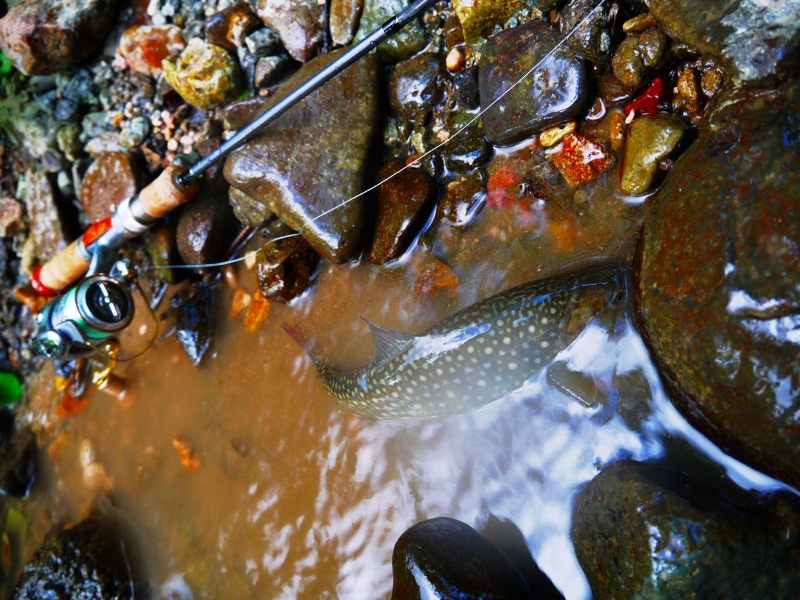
<point x="478" y="354"/>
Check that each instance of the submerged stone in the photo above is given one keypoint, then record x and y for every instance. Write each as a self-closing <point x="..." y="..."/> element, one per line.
<point x="650" y="140"/>
<point x="204" y="75"/>
<point x="401" y="202"/>
<point x="717" y="292"/>
<point x="643" y="531"/>
<point x="303" y="166"/>
<point x="416" y="84"/>
<point x="469" y="149"/>
<point x="18" y="464"/>
<point x="407" y="42"/>
<point x="195" y="323"/>
<point x="110" y="179"/>
<point x="300" y="24"/>
<point x="752" y="40"/>
<point x="556" y="91"/>
<point x="463" y="198"/>
<point x="639" y="56"/>
<point x="87" y="561"/>
<point x="284" y="267"/>
<point x="46" y="36"/>
<point x="206" y="228"/>
<point x="445" y="558"/>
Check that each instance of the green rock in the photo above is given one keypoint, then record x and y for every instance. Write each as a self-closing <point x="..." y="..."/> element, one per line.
<point x="469" y="149"/>
<point x="303" y="165"/>
<point x="753" y="40"/>
<point x="446" y="559"/>
<point x="88" y="561"/>
<point x="643" y="531"/>
<point x="410" y="40"/>
<point x="639" y="56"/>
<point x="68" y="141"/>
<point x="247" y="210"/>
<point x="590" y="29"/>
<point x="159" y="242"/>
<point x="29" y="127"/>
<point x="204" y="75"/>
<point x="716" y="288"/>
<point x="479" y="18"/>
<point x="650" y="139"/>
<point x="10" y="389"/>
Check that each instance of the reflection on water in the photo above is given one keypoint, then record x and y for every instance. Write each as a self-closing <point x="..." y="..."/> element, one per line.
<point x="296" y="497"/>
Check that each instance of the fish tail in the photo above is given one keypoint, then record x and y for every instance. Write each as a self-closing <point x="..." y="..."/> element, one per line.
<point x="324" y="370"/>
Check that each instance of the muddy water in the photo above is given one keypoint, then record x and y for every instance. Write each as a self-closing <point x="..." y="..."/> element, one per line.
<point x="295" y="497"/>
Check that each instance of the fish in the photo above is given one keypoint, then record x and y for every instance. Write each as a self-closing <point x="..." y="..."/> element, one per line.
<point x="478" y="354"/>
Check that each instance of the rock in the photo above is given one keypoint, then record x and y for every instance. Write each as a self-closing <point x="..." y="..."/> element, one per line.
<point x="204" y="75"/>
<point x="87" y="561"/>
<point x="650" y="140"/>
<point x="18" y="464"/>
<point x="643" y="531"/>
<point x="463" y="198"/>
<point x="556" y="91"/>
<point x="270" y="69"/>
<point x="455" y="561"/>
<point x="401" y="204"/>
<point x="230" y="27"/>
<point x="161" y="247"/>
<point x="300" y="24"/>
<point x="195" y="322"/>
<point x="752" y="40"/>
<point x="275" y="169"/>
<point x="592" y="39"/>
<point x="580" y="160"/>
<point x="11" y="213"/>
<point x="716" y="289"/>
<point x="285" y="266"/>
<point x="144" y="47"/>
<point x="264" y="42"/>
<point x="639" y="57"/>
<point x="470" y="149"/>
<point x="68" y="140"/>
<point x="206" y="228"/>
<point x="416" y="84"/>
<point x="47" y="36"/>
<point x="29" y="127"/>
<point x="344" y="20"/>
<point x="46" y="226"/>
<point x="467" y="89"/>
<point x="110" y="179"/>
<point x="555" y="134"/>
<point x="480" y="17"/>
<point x="613" y="91"/>
<point x="407" y="42"/>
<point x="247" y="210"/>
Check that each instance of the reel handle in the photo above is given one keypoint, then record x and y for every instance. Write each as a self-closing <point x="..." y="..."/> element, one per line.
<point x="156" y="200"/>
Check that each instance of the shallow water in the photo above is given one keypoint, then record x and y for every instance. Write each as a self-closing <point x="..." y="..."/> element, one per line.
<point x="296" y="497"/>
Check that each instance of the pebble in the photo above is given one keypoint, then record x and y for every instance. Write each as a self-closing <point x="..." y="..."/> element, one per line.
<point x="650" y="139"/>
<point x="144" y="47"/>
<point x="110" y="179"/>
<point x="553" y="135"/>
<point x="344" y="17"/>
<point x="11" y="212"/>
<point x="299" y="23"/>
<point x="230" y="27"/>
<point x="270" y="69"/>
<point x="639" y="56"/>
<point x="416" y="84"/>
<point x="263" y="42"/>
<point x="455" y="59"/>
<point x="639" y="23"/>
<point x="580" y="160"/>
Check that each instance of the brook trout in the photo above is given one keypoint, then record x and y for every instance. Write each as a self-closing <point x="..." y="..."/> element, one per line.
<point x="478" y="354"/>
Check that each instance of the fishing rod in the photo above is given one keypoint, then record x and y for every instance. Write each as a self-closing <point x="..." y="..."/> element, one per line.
<point x="71" y="325"/>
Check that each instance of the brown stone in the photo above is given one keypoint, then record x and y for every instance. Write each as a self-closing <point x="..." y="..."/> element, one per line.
<point x="145" y="46"/>
<point x="230" y="26"/>
<point x="300" y="24"/>
<point x="110" y="179"/>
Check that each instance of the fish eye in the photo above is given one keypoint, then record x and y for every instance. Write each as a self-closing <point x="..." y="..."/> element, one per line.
<point x="618" y="296"/>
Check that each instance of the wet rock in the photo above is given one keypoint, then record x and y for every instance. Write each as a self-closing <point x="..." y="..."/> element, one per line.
<point x="47" y="36"/>
<point x="416" y="84"/>
<point x="453" y="32"/>
<point x="410" y="40"/>
<point x="195" y="322"/>
<point x="29" y="127"/>
<point x="555" y="92"/>
<point x="275" y="167"/>
<point x="592" y="39"/>
<point x="467" y="89"/>
<point x="110" y="179"/>
<point x="716" y="288"/>
<point x="553" y="135"/>
<point x="300" y="24"/>
<point x="229" y="27"/>
<point x="580" y="160"/>
<point x="401" y="202"/>
<point x="161" y="247"/>
<point x="18" y="464"/>
<point x="248" y="210"/>
<point x="68" y="140"/>
<point x="463" y="198"/>
<point x="144" y="47"/>
<point x="751" y="40"/>
<point x="641" y="530"/>
<point x="206" y="228"/>
<point x="11" y="213"/>
<point x="455" y="561"/>
<point x="46" y="226"/>
<point x="87" y="561"/>
<point x="285" y="267"/>
<point x="469" y="149"/>
<point x="650" y="140"/>
<point x="480" y="17"/>
<point x="204" y="75"/>
<point x="639" y="56"/>
<point x="270" y="69"/>
<point x="264" y="42"/>
<point x="344" y="20"/>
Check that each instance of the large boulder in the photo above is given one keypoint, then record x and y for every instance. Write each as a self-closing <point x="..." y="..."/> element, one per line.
<point x="304" y="167"/>
<point x="46" y="36"/>
<point x="717" y="286"/>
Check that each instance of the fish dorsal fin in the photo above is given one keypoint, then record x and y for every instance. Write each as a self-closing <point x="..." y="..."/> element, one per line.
<point x="388" y="343"/>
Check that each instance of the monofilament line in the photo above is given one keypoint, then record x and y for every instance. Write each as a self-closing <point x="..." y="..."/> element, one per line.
<point x="466" y="125"/>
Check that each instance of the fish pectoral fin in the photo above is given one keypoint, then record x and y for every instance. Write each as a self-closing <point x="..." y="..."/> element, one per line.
<point x="388" y="343"/>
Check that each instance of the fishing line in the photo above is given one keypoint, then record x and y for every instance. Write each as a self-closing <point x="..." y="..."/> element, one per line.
<point x="412" y="164"/>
